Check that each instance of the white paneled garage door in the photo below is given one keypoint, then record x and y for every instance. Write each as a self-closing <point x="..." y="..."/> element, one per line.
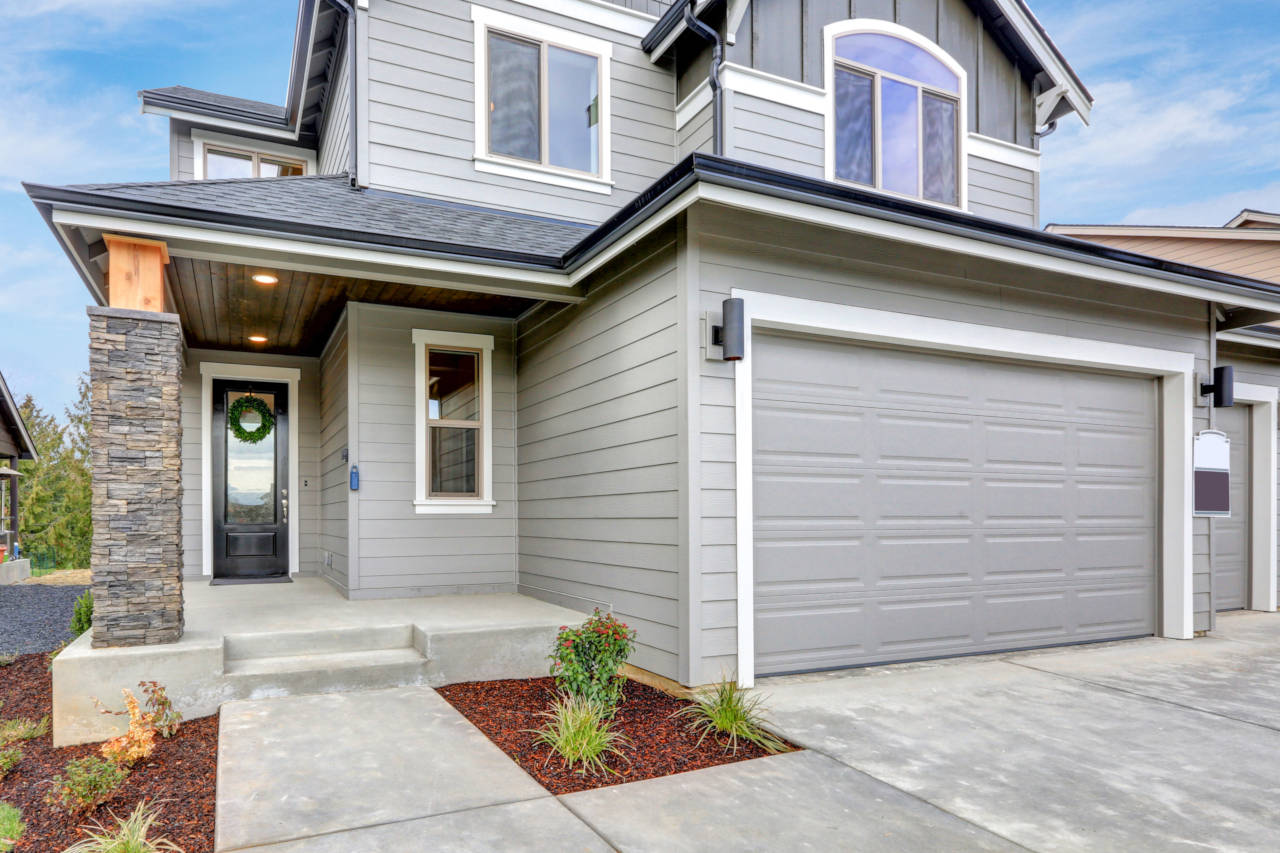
<point x="913" y="505"/>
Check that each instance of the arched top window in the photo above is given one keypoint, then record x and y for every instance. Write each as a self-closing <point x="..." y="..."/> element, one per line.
<point x="897" y="112"/>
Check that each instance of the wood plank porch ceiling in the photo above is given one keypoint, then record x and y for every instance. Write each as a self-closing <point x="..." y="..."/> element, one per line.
<point x="221" y="306"/>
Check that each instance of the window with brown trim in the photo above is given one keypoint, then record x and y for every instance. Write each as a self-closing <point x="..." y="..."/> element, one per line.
<point x="221" y="162"/>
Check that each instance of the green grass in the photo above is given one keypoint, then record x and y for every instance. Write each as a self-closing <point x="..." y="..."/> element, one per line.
<point x="731" y="715"/>
<point x="11" y="827"/>
<point x="9" y="758"/>
<point x="578" y="732"/>
<point x="12" y="731"/>
<point x="130" y="835"/>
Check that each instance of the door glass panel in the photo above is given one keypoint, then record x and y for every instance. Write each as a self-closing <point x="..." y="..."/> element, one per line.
<point x="227" y="164"/>
<point x="251" y="470"/>
<point x="854" y="145"/>
<point x="900" y="151"/>
<point x="279" y="168"/>
<point x="940" y="173"/>
<point x="514" y="104"/>
<point x="452" y="386"/>
<point x="453" y="460"/>
<point x="573" y="110"/>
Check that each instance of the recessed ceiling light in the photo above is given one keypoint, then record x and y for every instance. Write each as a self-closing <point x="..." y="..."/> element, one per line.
<point x="266" y="278"/>
<point x="258" y="339"/>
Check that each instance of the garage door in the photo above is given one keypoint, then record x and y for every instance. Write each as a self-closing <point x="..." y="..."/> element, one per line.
<point x="913" y="505"/>
<point x="1231" y="535"/>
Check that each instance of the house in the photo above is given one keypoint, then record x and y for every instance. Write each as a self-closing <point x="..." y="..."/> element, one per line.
<point x="15" y="444"/>
<point x="732" y="317"/>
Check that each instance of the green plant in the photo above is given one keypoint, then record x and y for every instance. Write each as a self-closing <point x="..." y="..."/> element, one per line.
<point x="731" y="714"/>
<point x="86" y="783"/>
<point x="9" y="758"/>
<point x="49" y="658"/>
<point x="164" y="717"/>
<point x="12" y="731"/>
<point x="7" y="659"/>
<point x="11" y="827"/>
<point x="82" y="616"/>
<point x="587" y="660"/>
<point x="578" y="732"/>
<point x="130" y="835"/>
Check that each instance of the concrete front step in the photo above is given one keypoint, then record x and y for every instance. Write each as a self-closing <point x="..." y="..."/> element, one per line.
<point x="297" y="675"/>
<point x="274" y="644"/>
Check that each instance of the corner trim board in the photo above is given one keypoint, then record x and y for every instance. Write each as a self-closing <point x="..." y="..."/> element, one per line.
<point x="1262" y="494"/>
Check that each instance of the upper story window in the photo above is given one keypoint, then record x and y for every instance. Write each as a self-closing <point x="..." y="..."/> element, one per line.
<point x="897" y="112"/>
<point x="542" y="102"/>
<point x="219" y="155"/>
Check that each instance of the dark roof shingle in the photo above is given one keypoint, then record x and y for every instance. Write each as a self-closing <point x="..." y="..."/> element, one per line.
<point x="259" y="109"/>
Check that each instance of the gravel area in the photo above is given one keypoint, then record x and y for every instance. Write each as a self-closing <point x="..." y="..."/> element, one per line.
<point x="35" y="618"/>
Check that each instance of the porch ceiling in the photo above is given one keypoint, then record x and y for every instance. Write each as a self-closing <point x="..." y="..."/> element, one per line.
<point x="221" y="306"/>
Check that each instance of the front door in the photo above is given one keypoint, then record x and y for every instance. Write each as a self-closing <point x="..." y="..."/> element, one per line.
<point x="250" y="480"/>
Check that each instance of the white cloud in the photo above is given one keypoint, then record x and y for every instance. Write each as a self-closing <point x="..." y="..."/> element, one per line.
<point x="1215" y="210"/>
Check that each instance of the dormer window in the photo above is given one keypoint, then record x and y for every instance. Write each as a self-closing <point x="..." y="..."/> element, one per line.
<point x="897" y="112"/>
<point x="222" y="156"/>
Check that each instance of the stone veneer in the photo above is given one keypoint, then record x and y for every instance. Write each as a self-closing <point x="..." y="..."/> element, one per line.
<point x="135" y="372"/>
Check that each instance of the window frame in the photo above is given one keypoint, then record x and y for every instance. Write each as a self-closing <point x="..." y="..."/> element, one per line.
<point x="855" y="26"/>
<point x="486" y="21"/>
<point x="202" y="141"/>
<point x="425" y="340"/>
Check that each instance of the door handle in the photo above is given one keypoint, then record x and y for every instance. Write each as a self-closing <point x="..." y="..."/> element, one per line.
<point x="284" y="504"/>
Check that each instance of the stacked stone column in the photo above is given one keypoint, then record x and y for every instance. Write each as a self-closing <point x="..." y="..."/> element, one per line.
<point x="135" y="373"/>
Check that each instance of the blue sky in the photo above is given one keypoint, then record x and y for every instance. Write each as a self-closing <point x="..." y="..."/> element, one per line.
<point x="1186" y="129"/>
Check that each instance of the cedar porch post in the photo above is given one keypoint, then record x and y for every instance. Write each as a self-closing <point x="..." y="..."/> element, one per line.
<point x="135" y="375"/>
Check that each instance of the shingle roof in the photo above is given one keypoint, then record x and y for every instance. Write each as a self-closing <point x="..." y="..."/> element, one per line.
<point x="313" y="204"/>
<point x="222" y="103"/>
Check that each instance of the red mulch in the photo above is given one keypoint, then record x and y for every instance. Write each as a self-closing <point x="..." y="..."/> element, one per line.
<point x="178" y="777"/>
<point x="660" y="746"/>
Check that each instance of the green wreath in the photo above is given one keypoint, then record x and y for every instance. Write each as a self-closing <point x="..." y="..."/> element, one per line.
<point x="250" y="403"/>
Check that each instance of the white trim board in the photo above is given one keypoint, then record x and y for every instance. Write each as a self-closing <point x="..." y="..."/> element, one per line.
<point x="1175" y="370"/>
<point x="1018" y="156"/>
<point x="1262" y="493"/>
<point x="599" y="12"/>
<point x="202" y="138"/>
<point x="209" y="371"/>
<point x="211" y="121"/>
<point x="771" y="87"/>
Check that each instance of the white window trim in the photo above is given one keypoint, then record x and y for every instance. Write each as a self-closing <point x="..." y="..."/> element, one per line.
<point x="484" y="503"/>
<point x="484" y="19"/>
<point x="1262" y="493"/>
<point x="202" y="139"/>
<point x="210" y="371"/>
<point x="867" y="25"/>
<point x="1175" y="370"/>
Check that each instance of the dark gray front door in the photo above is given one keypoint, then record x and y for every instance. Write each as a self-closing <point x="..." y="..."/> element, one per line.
<point x="250" y="486"/>
<point x="913" y="505"/>
<point x="1231" y="535"/>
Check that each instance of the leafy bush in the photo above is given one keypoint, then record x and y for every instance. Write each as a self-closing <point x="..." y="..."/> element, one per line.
<point x="164" y="717"/>
<point x="11" y="827"/>
<point x="587" y="660"/>
<point x="577" y="730"/>
<point x="12" y="731"/>
<point x="86" y="783"/>
<point x="82" y="616"/>
<point x="130" y="835"/>
<point x="137" y="743"/>
<point x="730" y="714"/>
<point x="9" y="758"/>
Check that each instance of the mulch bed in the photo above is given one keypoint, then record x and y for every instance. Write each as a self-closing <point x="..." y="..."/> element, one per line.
<point x="660" y="746"/>
<point x="179" y="776"/>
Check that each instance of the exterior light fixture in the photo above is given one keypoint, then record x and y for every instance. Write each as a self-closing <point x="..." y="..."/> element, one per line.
<point x="730" y="336"/>
<point x="258" y="339"/>
<point x="1223" y="387"/>
<point x="265" y="278"/>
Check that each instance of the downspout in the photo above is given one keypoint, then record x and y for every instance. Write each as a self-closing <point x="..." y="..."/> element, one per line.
<point x="343" y="7"/>
<point x="713" y="38"/>
<point x="1213" y="363"/>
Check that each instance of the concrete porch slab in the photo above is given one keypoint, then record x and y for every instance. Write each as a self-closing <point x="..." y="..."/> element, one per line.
<point x="306" y="766"/>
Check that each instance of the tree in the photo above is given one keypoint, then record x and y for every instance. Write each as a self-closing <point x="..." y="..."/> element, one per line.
<point x="56" y="492"/>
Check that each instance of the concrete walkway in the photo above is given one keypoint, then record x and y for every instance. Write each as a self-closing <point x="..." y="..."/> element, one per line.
<point x="1143" y="746"/>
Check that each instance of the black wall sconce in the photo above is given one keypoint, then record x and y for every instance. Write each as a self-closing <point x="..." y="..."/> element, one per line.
<point x="1223" y="388"/>
<point x="730" y="337"/>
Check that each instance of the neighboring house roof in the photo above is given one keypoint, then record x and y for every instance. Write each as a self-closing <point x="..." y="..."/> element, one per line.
<point x="11" y="418"/>
<point x="326" y="209"/>
<point x="1254" y="219"/>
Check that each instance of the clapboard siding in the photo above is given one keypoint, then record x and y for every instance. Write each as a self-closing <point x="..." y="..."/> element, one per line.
<point x="306" y="409"/>
<point x="402" y="553"/>
<point x="335" y="137"/>
<point x="761" y="254"/>
<point x="1003" y="192"/>
<point x="333" y="469"/>
<point x="182" y="164"/>
<point x="598" y="465"/>
<point x="696" y="134"/>
<point x="784" y="37"/>
<point x="648" y="7"/>
<point x="421" y="134"/>
<point x="775" y="135"/>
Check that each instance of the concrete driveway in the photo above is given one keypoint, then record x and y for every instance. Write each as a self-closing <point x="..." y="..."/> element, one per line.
<point x="1143" y="745"/>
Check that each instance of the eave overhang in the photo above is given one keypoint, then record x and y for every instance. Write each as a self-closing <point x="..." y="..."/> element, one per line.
<point x="13" y="417"/>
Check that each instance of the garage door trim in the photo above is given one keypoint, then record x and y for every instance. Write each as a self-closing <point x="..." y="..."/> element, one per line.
<point x="1262" y="481"/>
<point x="867" y="325"/>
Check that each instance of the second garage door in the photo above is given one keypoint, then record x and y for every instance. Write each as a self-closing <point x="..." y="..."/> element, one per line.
<point x="913" y="505"/>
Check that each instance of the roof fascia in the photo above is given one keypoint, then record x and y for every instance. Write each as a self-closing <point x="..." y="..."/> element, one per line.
<point x="16" y="416"/>
<point x="1253" y="216"/>
<point x="1227" y="233"/>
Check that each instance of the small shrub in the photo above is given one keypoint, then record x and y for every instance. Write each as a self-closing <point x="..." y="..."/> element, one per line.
<point x="9" y="758"/>
<point x="7" y="659"/>
<point x="137" y="743"/>
<point x="729" y="714"/>
<point x="12" y="731"/>
<point x="587" y="660"/>
<point x="130" y="835"/>
<point x="164" y="717"/>
<point x="578" y="732"/>
<point x="82" y="616"/>
<point x="86" y="783"/>
<point x="11" y="827"/>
